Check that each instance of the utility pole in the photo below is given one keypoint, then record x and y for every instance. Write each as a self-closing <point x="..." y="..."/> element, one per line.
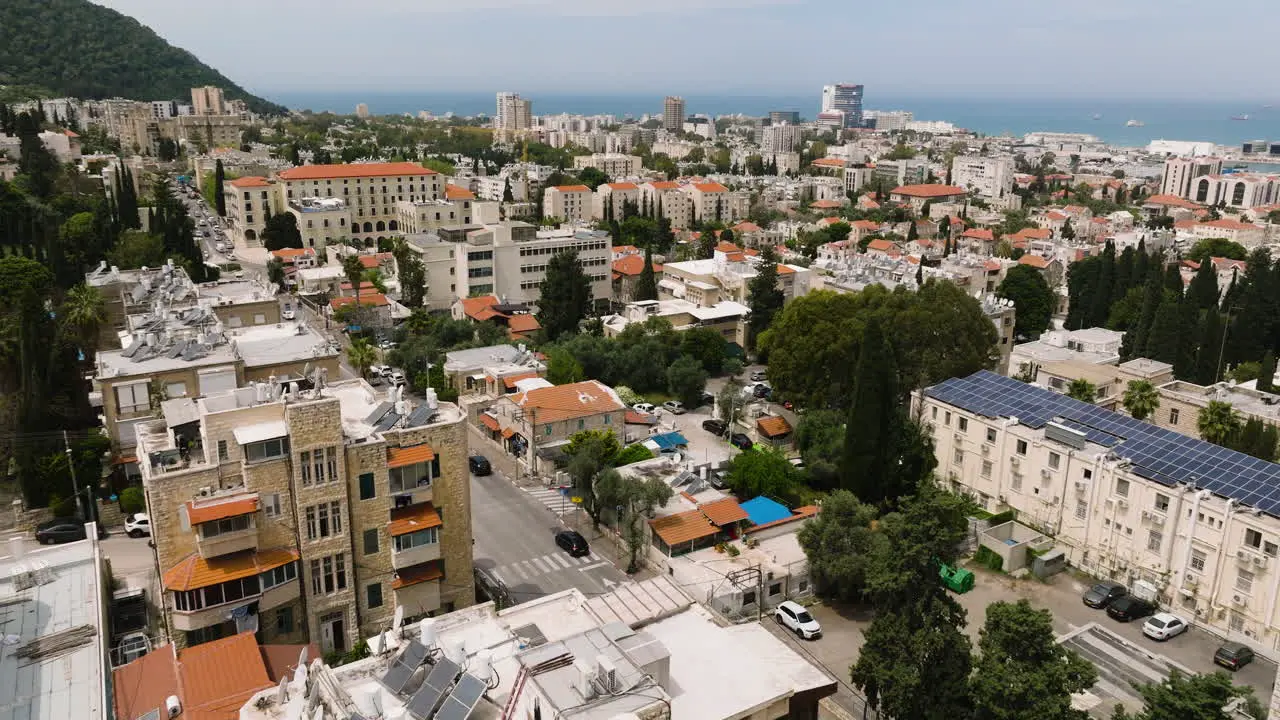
<point x="66" y="444"/>
<point x="759" y="593"/>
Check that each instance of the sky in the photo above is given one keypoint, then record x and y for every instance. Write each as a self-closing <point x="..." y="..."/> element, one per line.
<point x="1165" y="49"/>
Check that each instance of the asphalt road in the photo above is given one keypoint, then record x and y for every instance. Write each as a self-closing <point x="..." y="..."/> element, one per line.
<point x="514" y="533"/>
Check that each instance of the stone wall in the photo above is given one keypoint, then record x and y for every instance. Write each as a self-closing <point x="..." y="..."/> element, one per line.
<point x="371" y="514"/>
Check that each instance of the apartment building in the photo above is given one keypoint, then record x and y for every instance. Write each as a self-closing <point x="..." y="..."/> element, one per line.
<point x="248" y="201"/>
<point x="1180" y="173"/>
<point x="1247" y="234"/>
<point x="303" y="510"/>
<point x="917" y="195"/>
<point x="710" y="201"/>
<point x="569" y="202"/>
<point x="1238" y="190"/>
<point x="612" y="164"/>
<point x="514" y="113"/>
<point x="507" y="259"/>
<point x="371" y="192"/>
<point x="673" y="114"/>
<point x="610" y="200"/>
<point x="207" y="100"/>
<point x="726" y="276"/>
<point x="781" y="137"/>
<point x="1098" y="346"/>
<point x="1194" y="524"/>
<point x="989" y="177"/>
<point x="457" y="208"/>
<point x="663" y="198"/>
<point x="1110" y="381"/>
<point x="321" y="221"/>
<point x="535" y="424"/>
<point x="1181" y="403"/>
<point x="726" y="317"/>
<point x="902" y="172"/>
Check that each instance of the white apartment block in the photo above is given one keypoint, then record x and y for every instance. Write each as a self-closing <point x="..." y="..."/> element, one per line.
<point x="570" y="202"/>
<point x="613" y="165"/>
<point x="513" y="112"/>
<point x="1194" y="524"/>
<point x="890" y="120"/>
<point x="663" y="198"/>
<point x="1180" y="172"/>
<point x="780" y="138"/>
<point x="726" y="276"/>
<point x="710" y="201"/>
<point x="991" y="177"/>
<point x="207" y="100"/>
<point x="370" y="191"/>
<point x="610" y="200"/>
<point x="1239" y="190"/>
<point x="506" y="259"/>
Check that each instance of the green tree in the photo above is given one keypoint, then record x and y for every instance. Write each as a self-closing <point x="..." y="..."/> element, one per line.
<point x="275" y="273"/>
<point x="136" y="249"/>
<point x="592" y="177"/>
<point x="281" y="232"/>
<point x="875" y="419"/>
<point x="632" y="454"/>
<point x="219" y="179"/>
<point x="637" y="497"/>
<point x="565" y="297"/>
<point x="1210" y="346"/>
<point x="361" y="355"/>
<point x="562" y="367"/>
<point x="763" y="472"/>
<point x="83" y="311"/>
<point x="1166" y="329"/>
<point x="591" y="452"/>
<point x="1267" y="372"/>
<point x="686" y="379"/>
<point x="820" y="440"/>
<point x="706" y="245"/>
<point x="1100" y="306"/>
<point x="413" y="274"/>
<point x="1203" y="290"/>
<point x="1022" y="672"/>
<point x="647" y="284"/>
<point x="1216" y="247"/>
<point x="764" y="297"/>
<point x="1218" y="422"/>
<point x="1140" y="399"/>
<point x="706" y="345"/>
<point x="842" y="545"/>
<point x="1032" y="299"/>
<point x="1186" y="697"/>
<point x="1082" y="390"/>
<point x="729" y="403"/>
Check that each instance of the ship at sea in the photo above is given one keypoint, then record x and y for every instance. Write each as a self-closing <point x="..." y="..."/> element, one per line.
<point x="1097" y="116"/>
<point x="1240" y="117"/>
<point x="1135" y="123"/>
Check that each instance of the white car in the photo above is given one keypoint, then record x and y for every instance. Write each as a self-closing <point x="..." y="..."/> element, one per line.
<point x="288" y="313"/>
<point x="379" y="370"/>
<point x="795" y="618"/>
<point x="137" y="525"/>
<point x="644" y="408"/>
<point x="397" y="378"/>
<point x="1163" y="626"/>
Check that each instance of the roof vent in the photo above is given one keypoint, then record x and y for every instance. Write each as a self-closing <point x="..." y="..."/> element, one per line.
<point x="173" y="705"/>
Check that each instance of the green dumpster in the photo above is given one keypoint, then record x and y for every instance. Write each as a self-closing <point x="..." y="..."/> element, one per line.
<point x="958" y="580"/>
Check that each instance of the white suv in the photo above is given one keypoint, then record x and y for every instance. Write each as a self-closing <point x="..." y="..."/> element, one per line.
<point x="137" y="525"/>
<point x="795" y="618"/>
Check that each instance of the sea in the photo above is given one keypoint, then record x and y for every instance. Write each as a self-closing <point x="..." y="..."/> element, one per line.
<point x="1209" y="120"/>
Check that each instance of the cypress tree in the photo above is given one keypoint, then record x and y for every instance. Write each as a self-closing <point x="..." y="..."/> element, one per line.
<point x="1082" y="279"/>
<point x="1266" y="447"/>
<point x="1253" y="319"/>
<point x="1166" y="326"/>
<point x="1207" y="355"/>
<point x="1135" y="341"/>
<point x="1100" y="307"/>
<point x="1141" y="263"/>
<point x="1267" y="372"/>
<point x="1203" y="289"/>
<point x="220" y="200"/>
<point x="1125" y="279"/>
<point x="1173" y="279"/>
<point x="1249" y="440"/>
<point x="1184" y="364"/>
<point x="874" y="419"/>
<point x="646" y="284"/>
<point x="920" y="275"/>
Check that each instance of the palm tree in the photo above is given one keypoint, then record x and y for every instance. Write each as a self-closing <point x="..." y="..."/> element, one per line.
<point x="83" y="310"/>
<point x="1082" y="390"/>
<point x="1218" y="422"/>
<point x="1141" y="399"/>
<point x="361" y="355"/>
<point x="354" y="270"/>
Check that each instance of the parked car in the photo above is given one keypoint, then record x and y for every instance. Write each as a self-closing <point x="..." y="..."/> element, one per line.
<point x="397" y="378"/>
<point x="644" y="407"/>
<point x="479" y="465"/>
<point x="715" y="426"/>
<point x="706" y="399"/>
<point x="1233" y="656"/>
<point x="288" y="313"/>
<point x="1104" y="593"/>
<point x="758" y="375"/>
<point x="379" y="370"/>
<point x="573" y="543"/>
<point x="1163" y="626"/>
<point x="675" y="407"/>
<point x="60" y="530"/>
<point x="137" y="525"/>
<point x="741" y="441"/>
<point x="762" y="391"/>
<point x="1129" y="607"/>
<point x="795" y="618"/>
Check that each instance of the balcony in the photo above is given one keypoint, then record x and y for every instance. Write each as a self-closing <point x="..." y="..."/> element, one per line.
<point x="402" y="559"/>
<point x="224" y="525"/>
<point x="418" y="587"/>
<point x="273" y="598"/>
<point x="201" y="593"/>
<point x="410" y="472"/>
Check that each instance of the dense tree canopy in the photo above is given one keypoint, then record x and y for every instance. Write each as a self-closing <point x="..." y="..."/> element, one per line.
<point x="565" y="297"/>
<point x="1033" y="300"/>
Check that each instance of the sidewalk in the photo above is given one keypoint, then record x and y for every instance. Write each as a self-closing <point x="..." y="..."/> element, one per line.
<point x="609" y="546"/>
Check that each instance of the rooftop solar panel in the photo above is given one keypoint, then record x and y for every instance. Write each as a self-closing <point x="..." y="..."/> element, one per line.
<point x="433" y="688"/>
<point x="403" y="667"/>
<point x="463" y="700"/>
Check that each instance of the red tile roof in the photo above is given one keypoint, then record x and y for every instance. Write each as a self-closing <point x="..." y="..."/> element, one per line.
<point x="824" y="204"/>
<point x="633" y="265"/>
<point x="665" y="185"/>
<point x="978" y="234"/>
<point x="196" y="572"/>
<point x="357" y="170"/>
<point x="711" y="187"/>
<point x="865" y="225"/>
<point x="565" y="402"/>
<point x="405" y="520"/>
<point x="453" y="192"/>
<point x="1034" y="261"/>
<point x="829" y="162"/>
<point x="928" y="191"/>
<point x="212" y="680"/>
<point x="405" y="577"/>
<point x="725" y="511"/>
<point x="1170" y="201"/>
<point x="523" y="323"/>
<point x="1034" y="233"/>
<point x="880" y="244"/>
<point x="282" y="660"/>
<point x="250" y="181"/>
<point x="773" y="426"/>
<point x="746" y="226"/>
<point x="473" y="305"/>
<point x="635" y="417"/>
<point x="209" y="512"/>
<point x="489" y="421"/>
<point x="683" y="527"/>
<point x="289" y="255"/>
<point x="369" y="299"/>
<point x="412" y="455"/>
<point x="1229" y="224"/>
<point x="727" y="247"/>
<point x="622" y="186"/>
<point x="572" y="188"/>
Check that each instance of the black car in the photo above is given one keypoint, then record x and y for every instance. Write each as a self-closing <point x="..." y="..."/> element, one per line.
<point x="741" y="441"/>
<point x="762" y="391"/>
<point x="1129" y="607"/>
<point x="479" y="465"/>
<point x="61" y="530"/>
<point x="1233" y="656"/>
<point x="715" y="426"/>
<point x="706" y="399"/>
<point x="573" y="543"/>
<point x="1104" y="593"/>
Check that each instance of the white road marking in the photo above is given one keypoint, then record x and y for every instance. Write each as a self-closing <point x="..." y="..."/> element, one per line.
<point x="519" y="571"/>
<point x="559" y="559"/>
<point x="593" y="566"/>
<point x="543" y="564"/>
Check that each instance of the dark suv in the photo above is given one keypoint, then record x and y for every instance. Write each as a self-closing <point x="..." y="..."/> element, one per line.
<point x="1129" y="607"/>
<point x="479" y="465"/>
<point x="715" y="426"/>
<point x="63" y="530"/>
<point x="573" y="543"/>
<point x="741" y="441"/>
<point x="1233" y="656"/>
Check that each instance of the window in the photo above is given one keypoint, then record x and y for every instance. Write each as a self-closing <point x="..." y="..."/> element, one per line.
<point x="1173" y="416"/>
<point x="331" y="463"/>
<point x="132" y="398"/>
<point x="958" y="457"/>
<point x="317" y="465"/>
<point x="279" y="576"/>
<point x="1269" y="548"/>
<point x="1253" y="538"/>
<point x="986" y="468"/>
<point x="225" y="525"/>
<point x="324" y="520"/>
<point x="1088" y="474"/>
<point x="1122" y="488"/>
<point x="1015" y="481"/>
<point x="1197" y="560"/>
<point x="374" y="595"/>
<point x="581" y="423"/>
<point x="1162" y="502"/>
<point x="775" y="589"/>
<point x="991" y="435"/>
<point x="266" y="450"/>
<point x="1020" y="447"/>
<point x="963" y="424"/>
<point x="749" y="597"/>
<point x="175" y="390"/>
<point x="1082" y="509"/>
<point x="548" y="432"/>
<point x="1055" y="460"/>
<point x="328" y="574"/>
<point x="934" y="412"/>
<point x="271" y="505"/>
<point x="946" y="419"/>
<point x="1244" y="581"/>
<point x="430" y="536"/>
<point x="284" y="620"/>
<point x="223" y="456"/>
<point x="1154" y="540"/>
<point x="371" y="541"/>
<point x="1236" y="623"/>
<point x="367" y="490"/>
<point x="304" y="463"/>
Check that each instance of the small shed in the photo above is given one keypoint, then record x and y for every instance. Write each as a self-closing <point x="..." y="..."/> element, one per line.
<point x="762" y="510"/>
<point x="774" y="430"/>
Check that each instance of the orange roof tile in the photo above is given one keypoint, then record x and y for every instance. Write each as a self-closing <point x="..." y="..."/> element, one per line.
<point x="829" y="162"/>
<point x="358" y="170"/>
<point x="746" y="226"/>
<point x="665" y="185"/>
<point x="727" y="247"/>
<point x="453" y="192"/>
<point x="880" y="244"/>
<point x="630" y="265"/>
<point x="209" y="512"/>
<point x="369" y="261"/>
<point x="282" y="660"/>
<point x="725" y="511"/>
<point x="523" y="323"/>
<point x="635" y="417"/>
<point x="992" y="266"/>
<point x="250" y="181"/>
<point x="511" y="380"/>
<point x="865" y="225"/>
<point x="1229" y="224"/>
<point x="978" y="234"/>
<point x="735" y="257"/>
<point x="928" y="191"/>
<point x="1034" y="233"/>
<point x="413" y="518"/>
<point x="625" y="249"/>
<point x="824" y="204"/>
<point x="1170" y="200"/>
<point x="196" y="572"/>
<point x="572" y="188"/>
<point x="70" y="133"/>
<point x="473" y="305"/>
<point x="565" y="402"/>
<point x="369" y="299"/>
<point x="622" y="186"/>
<point x="292" y="254"/>
<point x="683" y="527"/>
<point x="507" y="432"/>
<point x="773" y="426"/>
<point x="412" y="455"/>
<point x="415" y="574"/>
<point x="1034" y="261"/>
<point x="711" y="187"/>
<point x="785" y="269"/>
<point x="218" y="677"/>
<point x="142" y="685"/>
<point x="489" y="421"/>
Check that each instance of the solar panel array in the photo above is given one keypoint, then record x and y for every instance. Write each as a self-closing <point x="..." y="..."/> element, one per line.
<point x="433" y="689"/>
<point x="1157" y="454"/>
<point x="402" y="669"/>
<point x="464" y="698"/>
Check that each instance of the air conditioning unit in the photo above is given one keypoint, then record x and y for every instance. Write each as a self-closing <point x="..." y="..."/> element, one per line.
<point x="1081" y="487"/>
<point x="1122" y="504"/>
<point x="1192" y="582"/>
<point x="1015" y="461"/>
<point x="1001" y="498"/>
<point x="206" y="491"/>
<point x="1242" y="555"/>
<point x="1146" y="515"/>
<point x="1260" y="560"/>
<point x="1046" y="473"/>
<point x="986" y="449"/>
<point x="1157" y="520"/>
<point x="959" y="437"/>
<point x="1239" y="600"/>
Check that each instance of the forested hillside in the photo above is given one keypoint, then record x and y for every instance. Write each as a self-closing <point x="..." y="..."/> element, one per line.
<point x="76" y="48"/>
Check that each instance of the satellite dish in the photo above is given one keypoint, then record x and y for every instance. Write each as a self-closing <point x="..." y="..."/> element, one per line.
<point x="302" y="656"/>
<point x="398" y="621"/>
<point x="282" y="692"/>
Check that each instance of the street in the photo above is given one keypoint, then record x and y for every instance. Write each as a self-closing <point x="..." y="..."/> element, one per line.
<point x="514" y="541"/>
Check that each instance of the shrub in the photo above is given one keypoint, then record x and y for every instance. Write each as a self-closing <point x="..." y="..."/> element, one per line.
<point x="132" y="501"/>
<point x="731" y="367"/>
<point x="1002" y="518"/>
<point x="989" y="559"/>
<point x="62" y="507"/>
<point x="632" y="454"/>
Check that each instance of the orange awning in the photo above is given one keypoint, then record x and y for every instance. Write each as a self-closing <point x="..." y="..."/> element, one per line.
<point x="403" y="456"/>
<point x="723" y="512"/>
<point x="417" y="573"/>
<point x="508" y="433"/>
<point x="217" y="511"/>
<point x="413" y="518"/>
<point x="489" y="421"/>
<point x="196" y="572"/>
<point x="511" y="380"/>
<point x="125" y="460"/>
<point x="683" y="527"/>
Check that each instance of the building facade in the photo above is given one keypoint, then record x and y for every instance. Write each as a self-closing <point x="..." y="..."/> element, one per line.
<point x="614" y="165"/>
<point x="370" y="191"/>
<point x="845" y="98"/>
<point x="990" y="177"/>
<point x="673" y="114"/>
<point x="569" y="202"/>
<point x="1179" y="173"/>
<point x="207" y="100"/>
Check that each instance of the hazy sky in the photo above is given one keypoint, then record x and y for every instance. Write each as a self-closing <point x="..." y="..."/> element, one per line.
<point x="1178" y="49"/>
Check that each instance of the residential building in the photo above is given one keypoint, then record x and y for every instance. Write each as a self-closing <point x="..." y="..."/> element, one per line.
<point x="710" y="201"/>
<point x="1098" y="346"/>
<point x="457" y="207"/>
<point x="642" y="650"/>
<point x="371" y="192"/>
<point x="57" y="596"/>
<point x="536" y="424"/>
<point x="513" y="113"/>
<point x="571" y="203"/>
<point x="304" y="510"/>
<point x="1191" y="524"/>
<point x="1180" y="173"/>
<point x="673" y="114"/>
<point x="1247" y="234"/>
<point x="208" y="131"/>
<point x="1238" y="190"/>
<point x="362" y="111"/>
<point x="517" y="318"/>
<point x="321" y="221"/>
<point x="1182" y="401"/>
<point x="726" y="317"/>
<point x="777" y="117"/>
<point x="1110" y="381"/>
<point x="614" y="165"/>
<point x="917" y="195"/>
<point x="702" y="126"/>
<point x="889" y="120"/>
<point x="207" y="100"/>
<point x="845" y="98"/>
<point x="472" y="370"/>
<point x="627" y="270"/>
<point x="781" y="137"/>
<point x="990" y="177"/>
<point x="902" y="172"/>
<point x="611" y="200"/>
<point x="726" y="276"/>
<point x="665" y="199"/>
<point x="248" y="201"/>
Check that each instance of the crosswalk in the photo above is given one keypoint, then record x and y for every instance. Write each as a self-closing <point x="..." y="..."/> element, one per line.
<point x="552" y="500"/>
<point x="525" y="570"/>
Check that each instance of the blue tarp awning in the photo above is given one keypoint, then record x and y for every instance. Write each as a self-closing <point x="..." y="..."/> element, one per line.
<point x="669" y="441"/>
<point x="762" y="511"/>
